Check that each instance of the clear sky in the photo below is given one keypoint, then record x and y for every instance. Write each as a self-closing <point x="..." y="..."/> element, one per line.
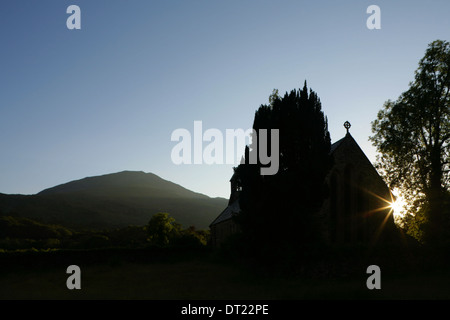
<point x="106" y="98"/>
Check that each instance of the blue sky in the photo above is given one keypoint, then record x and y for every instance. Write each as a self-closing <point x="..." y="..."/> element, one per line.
<point x="106" y="98"/>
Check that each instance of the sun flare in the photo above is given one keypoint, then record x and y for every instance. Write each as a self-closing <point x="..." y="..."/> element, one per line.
<point x="398" y="206"/>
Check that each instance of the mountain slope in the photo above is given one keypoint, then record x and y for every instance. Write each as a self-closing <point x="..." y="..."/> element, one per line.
<point x="131" y="183"/>
<point x="114" y="200"/>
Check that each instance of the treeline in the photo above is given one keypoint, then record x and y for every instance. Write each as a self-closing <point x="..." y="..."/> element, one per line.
<point x="18" y="233"/>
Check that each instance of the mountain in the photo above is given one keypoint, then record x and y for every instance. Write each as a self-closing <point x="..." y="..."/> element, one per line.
<point x="125" y="183"/>
<point x="113" y="201"/>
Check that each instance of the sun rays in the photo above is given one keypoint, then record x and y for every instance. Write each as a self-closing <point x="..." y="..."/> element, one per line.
<point x="385" y="208"/>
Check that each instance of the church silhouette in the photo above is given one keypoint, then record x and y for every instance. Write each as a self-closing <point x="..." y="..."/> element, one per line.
<point x="357" y="209"/>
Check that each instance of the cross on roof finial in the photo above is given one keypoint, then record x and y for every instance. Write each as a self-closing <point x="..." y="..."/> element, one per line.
<point x="347" y="125"/>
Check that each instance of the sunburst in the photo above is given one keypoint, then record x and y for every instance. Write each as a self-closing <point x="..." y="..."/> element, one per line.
<point x="398" y="206"/>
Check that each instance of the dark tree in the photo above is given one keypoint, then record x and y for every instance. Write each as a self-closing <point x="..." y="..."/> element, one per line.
<point x="412" y="135"/>
<point x="280" y="212"/>
<point x="162" y="229"/>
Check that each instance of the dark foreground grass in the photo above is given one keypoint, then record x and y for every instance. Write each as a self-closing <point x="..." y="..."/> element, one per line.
<point x="203" y="278"/>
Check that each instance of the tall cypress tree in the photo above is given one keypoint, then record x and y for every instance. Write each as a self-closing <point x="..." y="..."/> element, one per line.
<point x="280" y="212"/>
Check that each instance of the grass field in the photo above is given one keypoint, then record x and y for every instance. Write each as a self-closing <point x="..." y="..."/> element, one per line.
<point x="204" y="278"/>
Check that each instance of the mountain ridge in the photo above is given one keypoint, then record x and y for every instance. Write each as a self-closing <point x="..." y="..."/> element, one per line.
<point x="119" y="180"/>
<point x="114" y="200"/>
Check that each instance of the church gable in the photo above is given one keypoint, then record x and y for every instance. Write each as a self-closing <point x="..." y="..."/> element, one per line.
<point x="348" y="155"/>
<point x="357" y="209"/>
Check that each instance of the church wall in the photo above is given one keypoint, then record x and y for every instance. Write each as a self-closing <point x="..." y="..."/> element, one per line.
<point x="353" y="212"/>
<point x="221" y="231"/>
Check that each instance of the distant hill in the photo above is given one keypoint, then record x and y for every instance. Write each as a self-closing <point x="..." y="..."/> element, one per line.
<point x="112" y="201"/>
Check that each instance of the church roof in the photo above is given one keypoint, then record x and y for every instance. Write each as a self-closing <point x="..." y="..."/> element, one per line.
<point x="228" y="213"/>
<point x="348" y="140"/>
<point x="335" y="145"/>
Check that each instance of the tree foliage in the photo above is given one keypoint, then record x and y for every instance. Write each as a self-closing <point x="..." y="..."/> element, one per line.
<point x="18" y="233"/>
<point x="24" y="228"/>
<point x="279" y="211"/>
<point x="412" y="135"/>
<point x="162" y="228"/>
